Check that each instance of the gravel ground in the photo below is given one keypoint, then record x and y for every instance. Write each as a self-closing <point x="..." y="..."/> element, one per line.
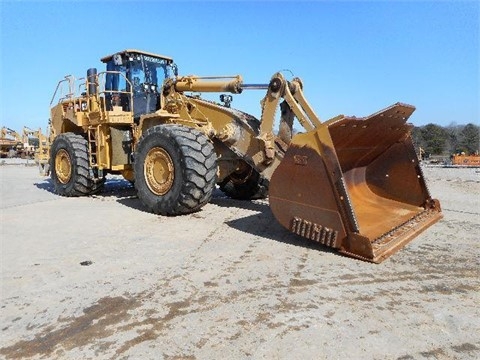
<point x="227" y="282"/>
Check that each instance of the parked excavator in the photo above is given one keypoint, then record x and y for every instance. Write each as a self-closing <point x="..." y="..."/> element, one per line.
<point x="11" y="143"/>
<point x="354" y="184"/>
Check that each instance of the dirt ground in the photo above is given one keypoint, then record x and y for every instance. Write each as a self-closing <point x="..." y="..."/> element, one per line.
<point x="99" y="278"/>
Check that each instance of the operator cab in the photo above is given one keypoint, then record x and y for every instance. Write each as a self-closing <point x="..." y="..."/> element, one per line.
<point x="145" y="73"/>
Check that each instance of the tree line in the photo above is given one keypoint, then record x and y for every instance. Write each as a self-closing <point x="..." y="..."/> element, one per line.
<point x="452" y="139"/>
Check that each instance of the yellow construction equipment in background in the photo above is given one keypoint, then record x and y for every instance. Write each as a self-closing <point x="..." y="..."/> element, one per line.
<point x="11" y="143"/>
<point x="472" y="160"/>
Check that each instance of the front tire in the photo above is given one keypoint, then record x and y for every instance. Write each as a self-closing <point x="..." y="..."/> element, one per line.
<point x="175" y="170"/>
<point x="70" y="168"/>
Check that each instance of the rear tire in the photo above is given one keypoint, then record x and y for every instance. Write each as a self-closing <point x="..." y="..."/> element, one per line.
<point x="247" y="184"/>
<point x="70" y="168"/>
<point x="175" y="170"/>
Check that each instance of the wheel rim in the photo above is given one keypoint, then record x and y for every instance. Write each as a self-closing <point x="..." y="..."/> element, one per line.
<point x="63" y="166"/>
<point x="159" y="171"/>
<point x="242" y="175"/>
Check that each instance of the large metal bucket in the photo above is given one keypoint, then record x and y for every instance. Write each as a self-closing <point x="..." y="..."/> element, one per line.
<point x="355" y="184"/>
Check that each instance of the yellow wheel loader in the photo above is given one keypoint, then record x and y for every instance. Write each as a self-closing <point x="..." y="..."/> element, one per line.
<point x="353" y="184"/>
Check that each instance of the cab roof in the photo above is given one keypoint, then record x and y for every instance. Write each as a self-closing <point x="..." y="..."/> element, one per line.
<point x="134" y="51"/>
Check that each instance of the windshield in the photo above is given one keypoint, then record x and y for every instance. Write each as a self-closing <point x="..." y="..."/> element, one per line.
<point x="145" y="73"/>
<point x="148" y="70"/>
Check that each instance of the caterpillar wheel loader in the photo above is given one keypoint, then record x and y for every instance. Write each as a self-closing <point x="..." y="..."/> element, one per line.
<point x="350" y="183"/>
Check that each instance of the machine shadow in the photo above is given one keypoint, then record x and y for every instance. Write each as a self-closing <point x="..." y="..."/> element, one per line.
<point x="113" y="187"/>
<point x="45" y="185"/>
<point x="263" y="223"/>
<point x="120" y="189"/>
<point x="124" y="192"/>
<point x="222" y="200"/>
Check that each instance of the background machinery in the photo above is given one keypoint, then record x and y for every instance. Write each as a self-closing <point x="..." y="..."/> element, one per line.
<point x="472" y="160"/>
<point x="38" y="148"/>
<point x="353" y="184"/>
<point x="42" y="153"/>
<point x="14" y="144"/>
<point x="11" y="143"/>
<point x="31" y="139"/>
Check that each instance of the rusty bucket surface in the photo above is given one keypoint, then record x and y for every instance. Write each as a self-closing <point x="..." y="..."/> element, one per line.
<point x="355" y="184"/>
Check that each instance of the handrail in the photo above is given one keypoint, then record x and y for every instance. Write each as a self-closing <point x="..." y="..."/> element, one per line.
<point x="101" y="79"/>
<point x="71" y="82"/>
<point x="102" y="85"/>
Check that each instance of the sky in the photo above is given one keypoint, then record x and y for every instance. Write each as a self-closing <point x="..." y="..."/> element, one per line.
<point x="354" y="57"/>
